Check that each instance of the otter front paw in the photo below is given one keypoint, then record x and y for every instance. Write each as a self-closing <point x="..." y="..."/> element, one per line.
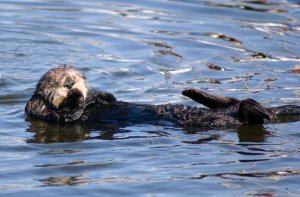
<point x="75" y="93"/>
<point x="74" y="99"/>
<point x="105" y="98"/>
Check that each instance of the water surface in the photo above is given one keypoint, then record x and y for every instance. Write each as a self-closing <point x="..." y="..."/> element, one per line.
<point x="147" y="52"/>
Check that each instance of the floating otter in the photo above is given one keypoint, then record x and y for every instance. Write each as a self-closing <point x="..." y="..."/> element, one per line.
<point x="62" y="96"/>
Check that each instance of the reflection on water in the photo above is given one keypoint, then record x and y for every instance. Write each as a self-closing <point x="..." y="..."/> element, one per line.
<point x="251" y="133"/>
<point x="243" y="176"/>
<point x="147" y="52"/>
<point x="54" y="133"/>
<point x="64" y="181"/>
<point x="50" y="132"/>
<point x="248" y="8"/>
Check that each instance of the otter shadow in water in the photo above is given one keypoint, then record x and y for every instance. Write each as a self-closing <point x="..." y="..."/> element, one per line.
<point x="252" y="133"/>
<point x="245" y="133"/>
<point x="45" y="132"/>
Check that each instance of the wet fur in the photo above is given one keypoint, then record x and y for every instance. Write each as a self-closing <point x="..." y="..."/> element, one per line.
<point x="54" y="102"/>
<point x="51" y="86"/>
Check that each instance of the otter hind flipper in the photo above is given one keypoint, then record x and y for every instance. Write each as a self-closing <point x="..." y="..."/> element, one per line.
<point x="251" y="112"/>
<point x="209" y="100"/>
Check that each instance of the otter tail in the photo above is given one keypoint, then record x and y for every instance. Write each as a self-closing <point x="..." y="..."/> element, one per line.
<point x="209" y="100"/>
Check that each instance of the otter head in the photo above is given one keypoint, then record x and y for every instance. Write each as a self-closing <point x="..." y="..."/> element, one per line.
<point x="55" y="84"/>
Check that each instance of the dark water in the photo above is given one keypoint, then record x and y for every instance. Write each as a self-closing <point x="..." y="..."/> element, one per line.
<point x="147" y="52"/>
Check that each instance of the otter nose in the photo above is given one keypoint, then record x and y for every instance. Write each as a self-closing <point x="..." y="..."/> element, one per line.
<point x="69" y="82"/>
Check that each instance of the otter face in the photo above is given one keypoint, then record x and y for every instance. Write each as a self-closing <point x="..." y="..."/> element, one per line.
<point x="56" y="83"/>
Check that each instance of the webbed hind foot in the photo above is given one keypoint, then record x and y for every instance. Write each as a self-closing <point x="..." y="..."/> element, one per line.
<point x="251" y="112"/>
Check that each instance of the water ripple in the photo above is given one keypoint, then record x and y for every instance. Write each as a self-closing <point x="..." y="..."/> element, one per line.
<point x="148" y="52"/>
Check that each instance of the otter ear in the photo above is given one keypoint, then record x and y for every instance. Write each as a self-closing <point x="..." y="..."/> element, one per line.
<point x="209" y="100"/>
<point x="252" y="112"/>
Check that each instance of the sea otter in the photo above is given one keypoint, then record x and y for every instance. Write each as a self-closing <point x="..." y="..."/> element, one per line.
<point x="62" y="96"/>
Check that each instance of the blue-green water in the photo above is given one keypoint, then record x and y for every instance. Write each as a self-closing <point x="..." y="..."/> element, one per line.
<point x="147" y="52"/>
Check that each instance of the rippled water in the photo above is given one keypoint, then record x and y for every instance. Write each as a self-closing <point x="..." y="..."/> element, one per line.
<point x="147" y="52"/>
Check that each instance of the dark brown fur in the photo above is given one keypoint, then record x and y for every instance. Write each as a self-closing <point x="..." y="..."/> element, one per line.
<point x="100" y="107"/>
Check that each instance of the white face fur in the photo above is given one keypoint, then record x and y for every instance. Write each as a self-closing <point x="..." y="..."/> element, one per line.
<point x="52" y="86"/>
